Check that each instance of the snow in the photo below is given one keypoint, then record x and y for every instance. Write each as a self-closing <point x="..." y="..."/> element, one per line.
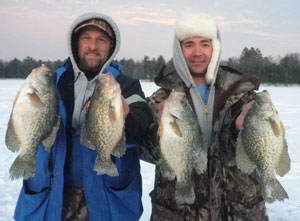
<point x="286" y="100"/>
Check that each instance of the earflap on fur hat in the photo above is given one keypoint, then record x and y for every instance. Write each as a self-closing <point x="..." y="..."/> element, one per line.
<point x="201" y="25"/>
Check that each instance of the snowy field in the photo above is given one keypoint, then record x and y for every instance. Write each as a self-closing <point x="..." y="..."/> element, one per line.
<point x="286" y="100"/>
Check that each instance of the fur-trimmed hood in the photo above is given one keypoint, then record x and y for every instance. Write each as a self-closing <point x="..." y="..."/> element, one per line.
<point x="202" y="25"/>
<point x="80" y="20"/>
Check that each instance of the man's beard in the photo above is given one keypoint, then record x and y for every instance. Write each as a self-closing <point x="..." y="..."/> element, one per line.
<point x="88" y="67"/>
<point x="91" y="72"/>
<point x="198" y="74"/>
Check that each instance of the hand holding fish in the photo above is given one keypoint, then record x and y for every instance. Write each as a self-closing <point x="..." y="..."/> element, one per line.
<point x="240" y="119"/>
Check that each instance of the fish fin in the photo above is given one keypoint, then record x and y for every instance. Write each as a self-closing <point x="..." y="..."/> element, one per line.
<point x="11" y="140"/>
<point x="282" y="128"/>
<point x="112" y="113"/>
<point x="22" y="168"/>
<point x="120" y="148"/>
<point x="105" y="166"/>
<point x="35" y="100"/>
<point x="49" y="141"/>
<point x="273" y="190"/>
<point x="276" y="127"/>
<point x="176" y="128"/>
<point x="184" y="192"/>
<point x="175" y="114"/>
<point x="160" y="130"/>
<point x="84" y="140"/>
<point x="284" y="164"/>
<point x="242" y="160"/>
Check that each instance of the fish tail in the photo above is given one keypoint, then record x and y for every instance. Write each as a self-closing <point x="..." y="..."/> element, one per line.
<point x="184" y="193"/>
<point x="22" y="167"/>
<point x="105" y="166"/>
<point x="274" y="191"/>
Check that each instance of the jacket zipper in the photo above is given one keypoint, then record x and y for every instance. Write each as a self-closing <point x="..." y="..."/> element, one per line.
<point x="206" y="108"/>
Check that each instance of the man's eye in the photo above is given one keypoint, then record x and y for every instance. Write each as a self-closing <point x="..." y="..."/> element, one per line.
<point x="188" y="45"/>
<point x="102" y="40"/>
<point x="84" y="37"/>
<point x="206" y="45"/>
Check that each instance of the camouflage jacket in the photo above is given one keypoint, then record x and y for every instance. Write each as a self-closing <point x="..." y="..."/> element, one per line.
<point x="223" y="192"/>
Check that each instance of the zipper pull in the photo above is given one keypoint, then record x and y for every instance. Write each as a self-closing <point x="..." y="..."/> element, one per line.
<point x="88" y="104"/>
<point x="206" y="109"/>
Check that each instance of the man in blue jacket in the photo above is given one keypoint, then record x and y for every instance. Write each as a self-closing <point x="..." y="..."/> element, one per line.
<point x="65" y="186"/>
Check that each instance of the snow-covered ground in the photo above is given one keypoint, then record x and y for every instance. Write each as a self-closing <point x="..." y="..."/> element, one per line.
<point x="286" y="100"/>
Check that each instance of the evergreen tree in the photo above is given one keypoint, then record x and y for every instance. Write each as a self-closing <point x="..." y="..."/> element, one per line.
<point x="160" y="62"/>
<point x="290" y="68"/>
<point x="14" y="69"/>
<point x="2" y="65"/>
<point x="269" y="70"/>
<point x="251" y="61"/>
<point x="147" y="68"/>
<point x="28" y="64"/>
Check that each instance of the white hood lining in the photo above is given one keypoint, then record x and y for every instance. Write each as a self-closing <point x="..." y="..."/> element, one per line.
<point x="201" y="25"/>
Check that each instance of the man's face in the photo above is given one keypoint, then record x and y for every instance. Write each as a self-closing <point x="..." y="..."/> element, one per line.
<point x="93" y="48"/>
<point x="197" y="52"/>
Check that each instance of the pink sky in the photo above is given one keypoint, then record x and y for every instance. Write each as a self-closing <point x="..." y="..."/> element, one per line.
<point x="38" y="28"/>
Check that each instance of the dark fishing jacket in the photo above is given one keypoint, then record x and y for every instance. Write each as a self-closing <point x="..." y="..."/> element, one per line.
<point x="223" y="192"/>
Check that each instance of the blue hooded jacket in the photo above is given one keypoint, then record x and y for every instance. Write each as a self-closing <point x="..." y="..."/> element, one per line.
<point x="107" y="198"/>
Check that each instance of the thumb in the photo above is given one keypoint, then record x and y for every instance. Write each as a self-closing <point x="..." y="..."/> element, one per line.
<point x="240" y="119"/>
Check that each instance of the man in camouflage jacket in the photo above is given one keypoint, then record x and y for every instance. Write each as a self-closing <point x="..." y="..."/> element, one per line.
<point x="220" y="97"/>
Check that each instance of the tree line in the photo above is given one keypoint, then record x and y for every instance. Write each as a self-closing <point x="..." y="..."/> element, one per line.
<point x="285" y="70"/>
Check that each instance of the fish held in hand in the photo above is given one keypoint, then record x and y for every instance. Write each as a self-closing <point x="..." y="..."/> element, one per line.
<point x="261" y="144"/>
<point x="34" y="120"/>
<point x="181" y="146"/>
<point x="103" y="129"/>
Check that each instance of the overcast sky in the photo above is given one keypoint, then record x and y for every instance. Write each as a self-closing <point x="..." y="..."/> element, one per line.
<point x="38" y="28"/>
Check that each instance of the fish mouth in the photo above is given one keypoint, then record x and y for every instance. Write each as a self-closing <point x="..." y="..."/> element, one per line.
<point x="264" y="97"/>
<point x="174" y="97"/>
<point x="106" y="79"/>
<point x="108" y="83"/>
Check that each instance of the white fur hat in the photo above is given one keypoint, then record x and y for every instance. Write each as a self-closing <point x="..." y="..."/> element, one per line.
<point x="201" y="25"/>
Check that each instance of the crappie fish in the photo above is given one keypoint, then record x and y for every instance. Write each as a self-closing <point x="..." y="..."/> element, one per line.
<point x="261" y="144"/>
<point x="34" y="120"/>
<point x="181" y="146"/>
<point x="103" y="129"/>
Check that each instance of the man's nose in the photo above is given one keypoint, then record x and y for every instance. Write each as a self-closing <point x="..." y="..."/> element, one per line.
<point x="197" y="51"/>
<point x="93" y="45"/>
